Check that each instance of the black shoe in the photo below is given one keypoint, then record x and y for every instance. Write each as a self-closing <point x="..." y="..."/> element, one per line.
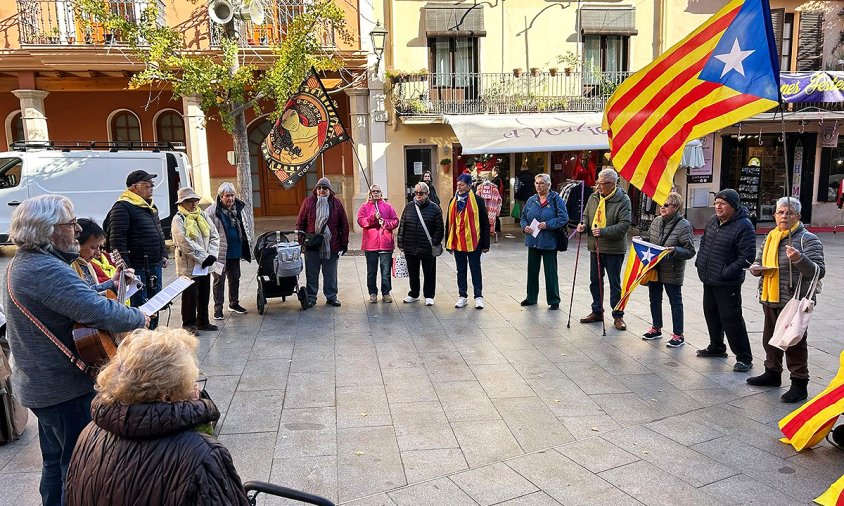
<point x="707" y="353"/>
<point x="311" y="303"/>
<point x="742" y="366"/>
<point x="528" y="303"/>
<point x="237" y="308"/>
<point x="652" y="333"/>
<point x="218" y="314"/>
<point x="797" y="392"/>
<point x="767" y="379"/>
<point x="554" y="307"/>
<point x="207" y="327"/>
<point x="333" y="302"/>
<point x="190" y="329"/>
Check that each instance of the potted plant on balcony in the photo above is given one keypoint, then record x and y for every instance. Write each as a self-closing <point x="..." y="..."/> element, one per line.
<point x="517" y="72"/>
<point x="534" y="71"/>
<point x="569" y="60"/>
<point x="445" y="164"/>
<point x="552" y="71"/>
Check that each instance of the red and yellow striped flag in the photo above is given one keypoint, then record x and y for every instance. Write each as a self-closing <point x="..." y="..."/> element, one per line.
<point x="725" y="71"/>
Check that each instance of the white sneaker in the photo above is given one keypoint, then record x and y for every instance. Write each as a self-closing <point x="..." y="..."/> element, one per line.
<point x="461" y="302"/>
<point x="479" y="302"/>
<point x="409" y="299"/>
<point x="429" y="302"/>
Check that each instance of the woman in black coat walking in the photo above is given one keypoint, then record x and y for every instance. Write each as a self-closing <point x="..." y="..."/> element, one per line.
<point x="413" y="242"/>
<point x="428" y="179"/>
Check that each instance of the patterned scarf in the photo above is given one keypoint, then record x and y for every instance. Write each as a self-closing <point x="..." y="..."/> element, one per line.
<point x="600" y="219"/>
<point x="195" y="223"/>
<point x="464" y="223"/>
<point x="770" y="258"/>
<point x="323" y="211"/>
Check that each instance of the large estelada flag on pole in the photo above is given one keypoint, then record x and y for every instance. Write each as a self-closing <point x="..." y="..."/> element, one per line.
<point x="308" y="126"/>
<point x="641" y="260"/>
<point x="723" y="72"/>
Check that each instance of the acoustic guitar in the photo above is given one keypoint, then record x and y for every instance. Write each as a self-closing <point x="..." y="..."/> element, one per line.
<point x="94" y="346"/>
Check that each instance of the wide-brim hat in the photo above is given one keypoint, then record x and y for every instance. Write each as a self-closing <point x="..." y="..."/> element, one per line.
<point x="186" y="193"/>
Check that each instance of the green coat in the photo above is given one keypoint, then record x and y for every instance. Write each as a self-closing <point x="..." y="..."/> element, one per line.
<point x="614" y="236"/>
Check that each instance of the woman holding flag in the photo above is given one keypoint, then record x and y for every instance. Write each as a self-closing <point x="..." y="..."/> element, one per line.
<point x="789" y="259"/>
<point x="671" y="230"/>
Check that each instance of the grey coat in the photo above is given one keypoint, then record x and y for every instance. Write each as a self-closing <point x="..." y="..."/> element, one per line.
<point x="51" y="290"/>
<point x="614" y="236"/>
<point x="812" y="254"/>
<point x="672" y="268"/>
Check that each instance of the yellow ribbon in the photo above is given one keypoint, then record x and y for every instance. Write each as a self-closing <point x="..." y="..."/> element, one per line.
<point x="600" y="219"/>
<point x="770" y="258"/>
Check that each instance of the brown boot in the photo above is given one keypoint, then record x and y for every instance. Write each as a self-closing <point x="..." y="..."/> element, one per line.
<point x="619" y="323"/>
<point x="592" y="318"/>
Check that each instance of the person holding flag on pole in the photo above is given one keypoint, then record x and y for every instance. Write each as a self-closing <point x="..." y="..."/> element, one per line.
<point x="607" y="216"/>
<point x="672" y="230"/>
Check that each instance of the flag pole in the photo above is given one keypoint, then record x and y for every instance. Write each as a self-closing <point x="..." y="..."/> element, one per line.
<point x="788" y="177"/>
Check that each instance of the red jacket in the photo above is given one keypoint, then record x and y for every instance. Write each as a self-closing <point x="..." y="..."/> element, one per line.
<point x="376" y="237"/>
<point x="338" y="223"/>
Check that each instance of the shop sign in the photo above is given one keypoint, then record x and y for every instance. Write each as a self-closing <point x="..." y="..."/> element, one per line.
<point x="820" y="86"/>
<point x="703" y="174"/>
<point x="798" y="169"/>
<point x="829" y="135"/>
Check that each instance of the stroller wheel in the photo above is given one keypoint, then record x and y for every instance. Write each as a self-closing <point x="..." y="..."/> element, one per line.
<point x="303" y="297"/>
<point x="262" y="303"/>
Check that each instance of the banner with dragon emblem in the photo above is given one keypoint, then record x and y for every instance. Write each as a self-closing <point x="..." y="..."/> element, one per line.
<point x="308" y="126"/>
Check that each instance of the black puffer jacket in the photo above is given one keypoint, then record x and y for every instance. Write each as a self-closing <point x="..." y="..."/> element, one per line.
<point x="726" y="249"/>
<point x="151" y="454"/>
<point x="135" y="231"/>
<point x="411" y="237"/>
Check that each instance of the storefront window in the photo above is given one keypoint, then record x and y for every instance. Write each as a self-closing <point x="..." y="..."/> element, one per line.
<point x="832" y="172"/>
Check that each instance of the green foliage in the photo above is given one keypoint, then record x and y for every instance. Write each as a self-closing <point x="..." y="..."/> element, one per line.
<point x="162" y="51"/>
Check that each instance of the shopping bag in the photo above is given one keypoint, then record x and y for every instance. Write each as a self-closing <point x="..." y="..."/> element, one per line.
<point x="793" y="320"/>
<point x="400" y="267"/>
<point x="516" y="212"/>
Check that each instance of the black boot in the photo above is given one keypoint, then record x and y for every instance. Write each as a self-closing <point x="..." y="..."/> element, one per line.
<point x="767" y="379"/>
<point x="797" y="392"/>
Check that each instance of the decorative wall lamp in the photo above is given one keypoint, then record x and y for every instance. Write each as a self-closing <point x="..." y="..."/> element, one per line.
<point x="378" y="35"/>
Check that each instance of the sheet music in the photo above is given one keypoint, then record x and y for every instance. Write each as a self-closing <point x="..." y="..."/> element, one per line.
<point x="163" y="297"/>
<point x="199" y="270"/>
<point x="132" y="288"/>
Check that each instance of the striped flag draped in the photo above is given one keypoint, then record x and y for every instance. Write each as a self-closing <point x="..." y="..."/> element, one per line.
<point x="725" y="71"/>
<point x="641" y="260"/>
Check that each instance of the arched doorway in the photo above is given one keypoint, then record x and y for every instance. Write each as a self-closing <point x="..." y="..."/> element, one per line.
<point x="268" y="194"/>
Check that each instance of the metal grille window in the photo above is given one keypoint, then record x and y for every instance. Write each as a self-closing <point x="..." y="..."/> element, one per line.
<point x="169" y="127"/>
<point x="125" y="127"/>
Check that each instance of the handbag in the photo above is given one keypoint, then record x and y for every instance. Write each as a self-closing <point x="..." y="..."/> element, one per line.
<point x="400" y="267"/>
<point x="435" y="250"/>
<point x="313" y="242"/>
<point x="562" y="236"/>
<point x="793" y="320"/>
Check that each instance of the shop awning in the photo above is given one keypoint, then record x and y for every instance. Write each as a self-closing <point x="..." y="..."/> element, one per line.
<point x="534" y="133"/>
<point x="528" y="133"/>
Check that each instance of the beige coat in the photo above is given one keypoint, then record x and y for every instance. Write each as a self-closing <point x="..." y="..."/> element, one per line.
<point x="190" y="252"/>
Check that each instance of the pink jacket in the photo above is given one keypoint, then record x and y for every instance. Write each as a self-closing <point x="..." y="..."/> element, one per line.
<point x="376" y="237"/>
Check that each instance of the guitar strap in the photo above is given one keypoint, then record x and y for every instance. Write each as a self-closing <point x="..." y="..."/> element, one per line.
<point x="90" y="371"/>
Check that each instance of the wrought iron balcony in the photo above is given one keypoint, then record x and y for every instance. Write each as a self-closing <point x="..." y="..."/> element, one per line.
<point x="277" y="16"/>
<point x="57" y="22"/>
<point x="418" y="94"/>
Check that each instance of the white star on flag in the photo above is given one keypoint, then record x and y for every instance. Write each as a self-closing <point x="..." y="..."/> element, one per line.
<point x="647" y="256"/>
<point x="733" y="59"/>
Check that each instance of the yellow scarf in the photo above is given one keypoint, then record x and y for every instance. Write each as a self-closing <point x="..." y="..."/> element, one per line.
<point x="195" y="223"/>
<point x="770" y="258"/>
<point x="135" y="199"/>
<point x="600" y="219"/>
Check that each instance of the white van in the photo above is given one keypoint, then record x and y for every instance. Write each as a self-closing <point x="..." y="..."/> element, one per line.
<point x="92" y="179"/>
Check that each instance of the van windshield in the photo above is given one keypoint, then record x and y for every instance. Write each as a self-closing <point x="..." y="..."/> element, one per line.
<point x="10" y="172"/>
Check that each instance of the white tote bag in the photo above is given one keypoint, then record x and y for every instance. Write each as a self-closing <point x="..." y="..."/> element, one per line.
<point x="400" y="267"/>
<point x="794" y="317"/>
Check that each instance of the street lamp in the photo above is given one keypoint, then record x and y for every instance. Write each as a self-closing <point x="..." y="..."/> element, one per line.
<point x="378" y="35"/>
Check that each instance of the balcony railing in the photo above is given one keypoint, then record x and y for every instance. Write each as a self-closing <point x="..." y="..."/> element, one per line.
<point x="56" y="22"/>
<point x="277" y="16"/>
<point x="478" y="93"/>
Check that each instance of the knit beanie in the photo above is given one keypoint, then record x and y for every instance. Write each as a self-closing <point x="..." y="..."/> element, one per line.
<point x="729" y="196"/>
<point x="465" y="178"/>
<point x="323" y="181"/>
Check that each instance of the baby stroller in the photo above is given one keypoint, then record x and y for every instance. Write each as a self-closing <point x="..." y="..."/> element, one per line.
<point x="279" y="265"/>
<point x="253" y="488"/>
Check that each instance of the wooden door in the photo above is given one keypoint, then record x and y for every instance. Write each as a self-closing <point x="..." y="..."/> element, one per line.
<point x="275" y="200"/>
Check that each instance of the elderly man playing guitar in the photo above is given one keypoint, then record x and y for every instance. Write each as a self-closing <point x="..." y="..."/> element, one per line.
<point x="44" y="298"/>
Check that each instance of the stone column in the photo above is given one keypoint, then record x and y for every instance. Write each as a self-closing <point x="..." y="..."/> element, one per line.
<point x="32" y="113"/>
<point x="197" y="146"/>
<point x="359" y="130"/>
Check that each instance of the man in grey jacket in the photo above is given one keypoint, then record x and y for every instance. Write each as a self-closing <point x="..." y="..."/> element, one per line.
<point x="607" y="217"/>
<point x="227" y="214"/>
<point x="40" y="280"/>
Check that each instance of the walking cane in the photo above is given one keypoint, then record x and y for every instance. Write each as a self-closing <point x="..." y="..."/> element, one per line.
<point x="577" y="255"/>
<point x="600" y="284"/>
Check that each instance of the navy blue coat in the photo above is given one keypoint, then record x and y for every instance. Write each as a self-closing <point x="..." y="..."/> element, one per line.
<point x="547" y="239"/>
<point x="726" y="250"/>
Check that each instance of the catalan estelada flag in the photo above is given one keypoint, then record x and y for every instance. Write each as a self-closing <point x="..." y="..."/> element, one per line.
<point x="641" y="260"/>
<point x="723" y="72"/>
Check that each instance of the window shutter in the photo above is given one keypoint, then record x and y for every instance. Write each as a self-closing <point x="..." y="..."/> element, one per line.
<point x="777" y="18"/>
<point x="810" y="41"/>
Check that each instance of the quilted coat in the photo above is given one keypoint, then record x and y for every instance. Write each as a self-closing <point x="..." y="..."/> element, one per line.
<point x="151" y="454"/>
<point x="812" y="255"/>
<point x="726" y="249"/>
<point x="411" y="237"/>
<point x="375" y="237"/>
<point x="671" y="269"/>
<point x="135" y="232"/>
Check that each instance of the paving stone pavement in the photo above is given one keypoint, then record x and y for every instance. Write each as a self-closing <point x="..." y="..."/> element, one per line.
<point x="394" y="404"/>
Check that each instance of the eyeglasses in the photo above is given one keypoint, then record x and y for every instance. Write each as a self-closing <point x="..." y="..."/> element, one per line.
<point x="420" y="193"/>
<point x="375" y="191"/>
<point x="604" y="183"/>
<point x="668" y="205"/>
<point x="72" y="223"/>
<point x="320" y="188"/>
